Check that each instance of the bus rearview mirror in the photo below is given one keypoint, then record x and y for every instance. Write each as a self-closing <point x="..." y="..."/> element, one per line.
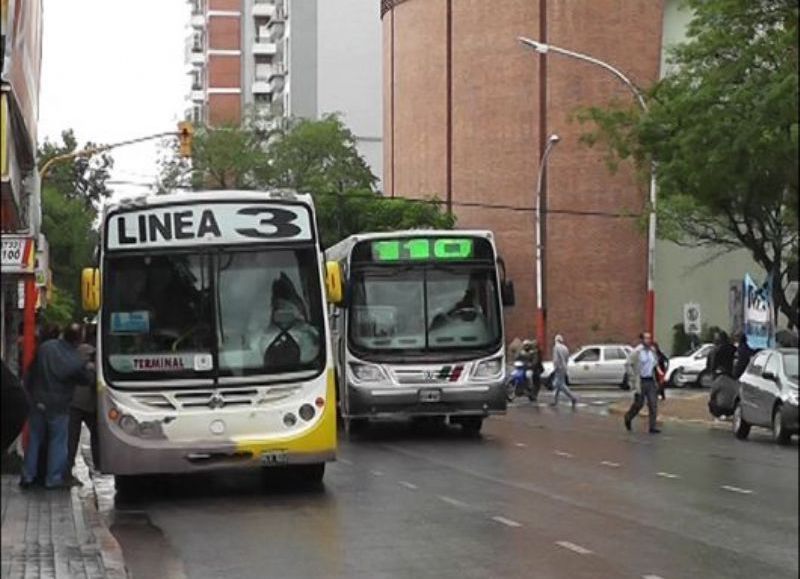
<point x="90" y="289"/>
<point x="333" y="282"/>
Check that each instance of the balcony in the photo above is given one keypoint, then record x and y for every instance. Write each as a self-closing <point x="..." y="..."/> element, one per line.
<point x="197" y="56"/>
<point x="264" y="9"/>
<point x="263" y="47"/>
<point x="261" y="86"/>
<point x="276" y="70"/>
<point x="198" y="21"/>
<point x="198" y="94"/>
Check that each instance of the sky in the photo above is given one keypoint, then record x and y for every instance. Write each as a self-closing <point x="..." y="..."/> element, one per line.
<point x="114" y="70"/>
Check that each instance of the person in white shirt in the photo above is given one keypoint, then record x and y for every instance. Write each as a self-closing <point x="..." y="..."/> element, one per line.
<point x="641" y="370"/>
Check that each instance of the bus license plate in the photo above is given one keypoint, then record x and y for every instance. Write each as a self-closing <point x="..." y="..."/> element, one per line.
<point x="430" y="395"/>
<point x="274" y="458"/>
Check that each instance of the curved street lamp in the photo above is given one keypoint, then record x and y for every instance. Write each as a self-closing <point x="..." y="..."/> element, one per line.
<point x="541" y="335"/>
<point x="543" y="48"/>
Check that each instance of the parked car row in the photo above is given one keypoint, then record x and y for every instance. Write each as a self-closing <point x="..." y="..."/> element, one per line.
<point x="766" y="395"/>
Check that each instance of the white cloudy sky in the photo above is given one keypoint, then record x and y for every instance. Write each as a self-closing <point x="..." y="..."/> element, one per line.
<point x="114" y="70"/>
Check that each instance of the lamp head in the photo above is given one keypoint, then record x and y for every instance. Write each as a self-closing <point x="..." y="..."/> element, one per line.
<point x="554" y="138"/>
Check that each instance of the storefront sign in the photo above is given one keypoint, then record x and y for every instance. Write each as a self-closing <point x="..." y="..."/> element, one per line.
<point x="18" y="254"/>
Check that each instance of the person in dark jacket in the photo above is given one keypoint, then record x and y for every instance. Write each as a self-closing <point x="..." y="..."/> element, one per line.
<point x="662" y="363"/>
<point x="14" y="407"/>
<point x="743" y="355"/>
<point x="83" y="409"/>
<point x="723" y="356"/>
<point x="57" y="369"/>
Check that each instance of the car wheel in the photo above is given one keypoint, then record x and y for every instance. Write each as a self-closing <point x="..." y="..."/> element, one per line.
<point x="779" y="433"/>
<point x="741" y="428"/>
<point x="704" y="379"/>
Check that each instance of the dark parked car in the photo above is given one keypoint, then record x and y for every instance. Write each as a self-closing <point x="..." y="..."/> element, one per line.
<point x="768" y="395"/>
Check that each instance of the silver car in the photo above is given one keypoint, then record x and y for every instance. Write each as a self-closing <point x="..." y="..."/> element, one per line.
<point x="595" y="364"/>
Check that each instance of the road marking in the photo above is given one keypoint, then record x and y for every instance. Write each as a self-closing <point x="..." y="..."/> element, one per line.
<point x="345" y="461"/>
<point x="376" y="473"/>
<point x="408" y="485"/>
<point x="573" y="547"/>
<point x="452" y="501"/>
<point x="562" y="453"/>
<point x="651" y="577"/>
<point x="520" y="444"/>
<point x="507" y="522"/>
<point x="609" y="463"/>
<point x="737" y="490"/>
<point x="667" y="475"/>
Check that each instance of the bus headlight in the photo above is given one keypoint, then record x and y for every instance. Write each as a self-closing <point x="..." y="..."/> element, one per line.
<point x="367" y="372"/>
<point x="489" y="368"/>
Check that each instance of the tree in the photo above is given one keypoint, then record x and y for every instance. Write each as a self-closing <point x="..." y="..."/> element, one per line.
<point x="319" y="157"/>
<point x="723" y="130"/>
<point x="71" y="194"/>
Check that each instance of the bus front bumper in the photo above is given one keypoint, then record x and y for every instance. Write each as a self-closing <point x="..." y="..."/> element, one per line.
<point x="466" y="400"/>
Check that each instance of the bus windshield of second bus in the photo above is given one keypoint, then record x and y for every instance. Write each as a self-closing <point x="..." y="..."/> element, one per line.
<point x="415" y="309"/>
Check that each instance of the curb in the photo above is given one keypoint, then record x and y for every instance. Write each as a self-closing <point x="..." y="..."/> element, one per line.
<point x="84" y="509"/>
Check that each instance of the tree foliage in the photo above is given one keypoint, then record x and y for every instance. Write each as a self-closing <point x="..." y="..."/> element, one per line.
<point x="722" y="127"/>
<point x="319" y="157"/>
<point x="71" y="194"/>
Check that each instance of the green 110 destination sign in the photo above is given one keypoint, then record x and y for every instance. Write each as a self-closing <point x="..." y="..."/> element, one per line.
<point x="420" y="249"/>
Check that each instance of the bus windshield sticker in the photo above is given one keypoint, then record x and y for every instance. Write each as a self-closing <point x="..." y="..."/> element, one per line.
<point x="130" y="322"/>
<point x="203" y="362"/>
<point x="209" y="224"/>
<point x="418" y="249"/>
<point x="155" y="362"/>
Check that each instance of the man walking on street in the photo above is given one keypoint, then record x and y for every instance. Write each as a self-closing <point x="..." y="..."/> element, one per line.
<point x="51" y="381"/>
<point x="641" y="370"/>
<point x="560" y="359"/>
<point x="83" y="408"/>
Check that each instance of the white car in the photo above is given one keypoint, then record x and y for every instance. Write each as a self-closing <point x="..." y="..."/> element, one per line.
<point x="686" y="370"/>
<point x="595" y="364"/>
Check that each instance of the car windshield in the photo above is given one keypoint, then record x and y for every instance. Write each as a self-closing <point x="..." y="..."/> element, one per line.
<point x="790" y="366"/>
<point x="233" y="313"/>
<point x="417" y="309"/>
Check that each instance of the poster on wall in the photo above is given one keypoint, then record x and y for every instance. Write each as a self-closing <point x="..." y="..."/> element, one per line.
<point x="759" y="323"/>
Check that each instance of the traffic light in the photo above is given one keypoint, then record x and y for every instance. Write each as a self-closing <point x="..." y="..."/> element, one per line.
<point x="185" y="132"/>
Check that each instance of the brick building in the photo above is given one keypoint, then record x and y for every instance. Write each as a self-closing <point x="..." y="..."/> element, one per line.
<point x="467" y="113"/>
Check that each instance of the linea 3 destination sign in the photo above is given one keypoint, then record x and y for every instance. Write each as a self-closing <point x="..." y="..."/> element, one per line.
<point x="208" y="224"/>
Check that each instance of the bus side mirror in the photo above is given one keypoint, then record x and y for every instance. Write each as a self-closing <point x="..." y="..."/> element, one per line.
<point x="90" y="289"/>
<point x="507" y="293"/>
<point x="333" y="282"/>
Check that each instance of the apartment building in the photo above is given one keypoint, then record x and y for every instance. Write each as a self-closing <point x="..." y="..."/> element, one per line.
<point x="287" y="58"/>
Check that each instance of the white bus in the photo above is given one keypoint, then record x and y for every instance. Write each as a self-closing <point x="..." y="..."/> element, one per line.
<point x="420" y="330"/>
<point x="212" y="335"/>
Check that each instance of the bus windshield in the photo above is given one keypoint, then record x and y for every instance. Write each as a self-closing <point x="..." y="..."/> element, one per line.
<point x="430" y="309"/>
<point x="219" y="313"/>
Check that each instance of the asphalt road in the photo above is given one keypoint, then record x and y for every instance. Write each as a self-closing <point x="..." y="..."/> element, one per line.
<point x="543" y="493"/>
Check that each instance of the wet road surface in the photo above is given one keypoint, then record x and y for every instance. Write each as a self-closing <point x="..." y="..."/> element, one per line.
<point x="542" y="493"/>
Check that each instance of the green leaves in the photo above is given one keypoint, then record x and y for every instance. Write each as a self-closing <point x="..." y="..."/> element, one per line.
<point x="722" y="128"/>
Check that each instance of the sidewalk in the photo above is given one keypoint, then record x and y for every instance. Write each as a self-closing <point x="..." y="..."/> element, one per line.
<point x="56" y="534"/>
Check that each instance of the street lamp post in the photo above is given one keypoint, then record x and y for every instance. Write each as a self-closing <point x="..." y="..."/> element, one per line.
<point x="543" y="48"/>
<point x="541" y="335"/>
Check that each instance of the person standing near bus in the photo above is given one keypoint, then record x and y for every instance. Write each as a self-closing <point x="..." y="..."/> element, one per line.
<point x="560" y="361"/>
<point x="58" y="367"/>
<point x="83" y="409"/>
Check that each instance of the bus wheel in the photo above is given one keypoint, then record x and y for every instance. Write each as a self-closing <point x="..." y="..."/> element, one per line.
<point x="472" y="425"/>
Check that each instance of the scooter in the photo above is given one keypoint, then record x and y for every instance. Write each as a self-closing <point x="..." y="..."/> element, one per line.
<point x="519" y="381"/>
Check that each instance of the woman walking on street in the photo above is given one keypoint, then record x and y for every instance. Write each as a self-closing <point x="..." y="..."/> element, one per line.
<point x="560" y="360"/>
